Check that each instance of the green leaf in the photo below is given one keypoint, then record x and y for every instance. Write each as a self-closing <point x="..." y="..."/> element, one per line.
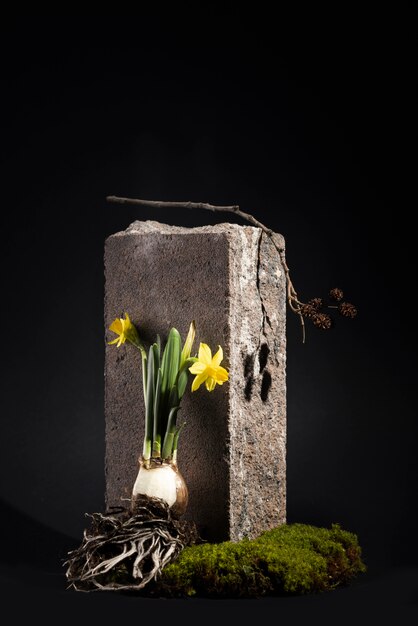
<point x="173" y="399"/>
<point x="144" y="374"/>
<point x="156" y="356"/>
<point x="176" y="441"/>
<point x="156" y="445"/>
<point x="172" y="417"/>
<point x="168" y="356"/>
<point x="182" y="383"/>
<point x="170" y="433"/>
<point x="150" y="380"/>
<point x="149" y="403"/>
<point x="173" y="363"/>
<point x="170" y="362"/>
<point x="157" y="392"/>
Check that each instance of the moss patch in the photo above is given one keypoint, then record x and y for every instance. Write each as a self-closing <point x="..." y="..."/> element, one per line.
<point x="290" y="559"/>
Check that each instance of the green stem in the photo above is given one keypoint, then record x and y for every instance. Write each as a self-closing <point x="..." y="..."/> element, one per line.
<point x="156" y="443"/>
<point x="169" y="434"/>
<point x="144" y="366"/>
<point x="149" y="407"/>
<point x="176" y="443"/>
<point x="144" y="372"/>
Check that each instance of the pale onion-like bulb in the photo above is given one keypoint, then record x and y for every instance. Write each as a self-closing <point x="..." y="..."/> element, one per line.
<point x="164" y="481"/>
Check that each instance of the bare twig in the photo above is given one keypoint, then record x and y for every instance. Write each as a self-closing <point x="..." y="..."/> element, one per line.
<point x="292" y="297"/>
<point x="157" y="204"/>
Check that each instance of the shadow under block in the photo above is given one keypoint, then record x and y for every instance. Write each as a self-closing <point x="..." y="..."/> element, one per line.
<point x="232" y="450"/>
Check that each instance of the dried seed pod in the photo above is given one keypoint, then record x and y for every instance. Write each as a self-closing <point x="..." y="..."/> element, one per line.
<point x="322" y="320"/>
<point x="336" y="294"/>
<point x="317" y="303"/>
<point x="347" y="309"/>
<point x="307" y="310"/>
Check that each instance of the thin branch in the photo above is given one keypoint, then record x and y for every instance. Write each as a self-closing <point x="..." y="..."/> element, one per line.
<point x="292" y="296"/>
<point x="157" y="204"/>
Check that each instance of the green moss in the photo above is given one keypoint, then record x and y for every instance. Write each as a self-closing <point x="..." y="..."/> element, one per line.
<point x="290" y="559"/>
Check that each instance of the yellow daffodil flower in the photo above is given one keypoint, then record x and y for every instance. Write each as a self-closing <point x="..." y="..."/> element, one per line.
<point x="125" y="330"/>
<point x="208" y="369"/>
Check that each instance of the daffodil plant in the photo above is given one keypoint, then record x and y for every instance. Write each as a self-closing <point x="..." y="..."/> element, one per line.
<point x="165" y="375"/>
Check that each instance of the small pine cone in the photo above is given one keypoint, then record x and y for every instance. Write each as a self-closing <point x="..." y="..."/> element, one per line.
<point x="336" y="294"/>
<point x="322" y="320"/>
<point x="347" y="310"/>
<point x="307" y="310"/>
<point x="317" y="303"/>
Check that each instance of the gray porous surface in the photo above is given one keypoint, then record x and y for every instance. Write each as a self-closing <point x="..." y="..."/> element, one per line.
<point x="232" y="451"/>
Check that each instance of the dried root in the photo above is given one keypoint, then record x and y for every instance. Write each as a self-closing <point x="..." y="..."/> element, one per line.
<point x="128" y="550"/>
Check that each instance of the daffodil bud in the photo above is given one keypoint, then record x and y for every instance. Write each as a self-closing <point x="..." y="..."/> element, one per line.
<point x="188" y="344"/>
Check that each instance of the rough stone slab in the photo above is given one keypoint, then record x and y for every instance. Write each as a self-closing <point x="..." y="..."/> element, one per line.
<point x="232" y="452"/>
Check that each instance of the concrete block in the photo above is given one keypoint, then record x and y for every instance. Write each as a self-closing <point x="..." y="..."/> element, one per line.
<point x="232" y="451"/>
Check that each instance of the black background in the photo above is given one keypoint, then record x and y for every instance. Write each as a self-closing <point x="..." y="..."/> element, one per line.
<point x="307" y="127"/>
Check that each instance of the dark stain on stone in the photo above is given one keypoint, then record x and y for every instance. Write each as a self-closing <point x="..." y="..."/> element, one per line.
<point x="248" y="391"/>
<point x="263" y="356"/>
<point x="248" y="365"/>
<point x="265" y="385"/>
<point x="248" y="375"/>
